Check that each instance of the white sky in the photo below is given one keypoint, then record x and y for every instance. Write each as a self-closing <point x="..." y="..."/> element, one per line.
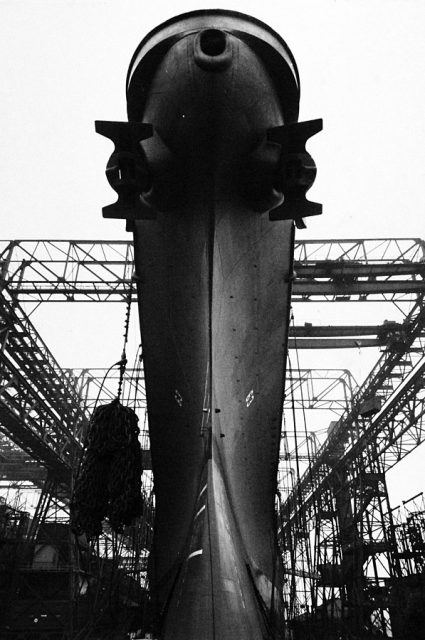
<point x="63" y="65"/>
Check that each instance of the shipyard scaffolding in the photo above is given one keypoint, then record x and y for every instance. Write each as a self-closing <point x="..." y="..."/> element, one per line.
<point x="55" y="585"/>
<point x="354" y="565"/>
<point x="337" y="528"/>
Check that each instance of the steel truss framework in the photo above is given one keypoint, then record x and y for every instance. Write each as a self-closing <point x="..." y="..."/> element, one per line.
<point x="43" y="421"/>
<point x="336" y="528"/>
<point x="40" y="408"/>
<point x="306" y="389"/>
<point x="342" y="499"/>
<point x="324" y="270"/>
<point x="409" y="529"/>
<point x="403" y="353"/>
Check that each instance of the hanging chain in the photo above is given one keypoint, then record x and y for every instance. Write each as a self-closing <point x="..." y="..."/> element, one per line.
<point x="108" y="482"/>
<point x="123" y="361"/>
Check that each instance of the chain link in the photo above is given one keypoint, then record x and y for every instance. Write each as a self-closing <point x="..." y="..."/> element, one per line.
<point x="123" y="362"/>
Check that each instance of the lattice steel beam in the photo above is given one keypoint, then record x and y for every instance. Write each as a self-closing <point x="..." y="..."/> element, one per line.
<point x="62" y="270"/>
<point x="356" y="554"/>
<point x="343" y="494"/>
<point x="346" y="440"/>
<point x="40" y="410"/>
<point x="327" y="389"/>
<point x="325" y="270"/>
<point x="363" y="250"/>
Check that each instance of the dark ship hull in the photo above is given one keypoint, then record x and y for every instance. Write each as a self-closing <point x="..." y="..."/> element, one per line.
<point x="214" y="274"/>
<point x="214" y="345"/>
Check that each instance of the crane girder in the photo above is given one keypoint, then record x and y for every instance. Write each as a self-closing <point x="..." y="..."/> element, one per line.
<point x="324" y="270"/>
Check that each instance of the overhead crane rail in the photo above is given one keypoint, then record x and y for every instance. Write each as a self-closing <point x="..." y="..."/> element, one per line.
<point x="325" y="270"/>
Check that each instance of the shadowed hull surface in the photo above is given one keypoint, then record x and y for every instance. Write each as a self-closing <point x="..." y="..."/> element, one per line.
<point x="214" y="279"/>
<point x="237" y="460"/>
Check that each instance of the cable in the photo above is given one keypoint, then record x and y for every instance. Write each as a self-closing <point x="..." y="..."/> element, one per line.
<point x="123" y="361"/>
<point x="300" y="520"/>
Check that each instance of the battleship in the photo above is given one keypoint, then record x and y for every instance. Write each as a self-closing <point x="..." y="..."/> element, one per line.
<point x="211" y="173"/>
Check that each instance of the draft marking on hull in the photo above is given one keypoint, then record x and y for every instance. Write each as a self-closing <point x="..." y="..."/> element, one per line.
<point x="250" y="398"/>
<point x="178" y="397"/>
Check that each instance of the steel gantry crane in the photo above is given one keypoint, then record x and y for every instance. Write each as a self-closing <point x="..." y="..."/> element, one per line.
<point x="343" y="496"/>
<point x="331" y="270"/>
<point x="370" y="270"/>
<point x="337" y="531"/>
